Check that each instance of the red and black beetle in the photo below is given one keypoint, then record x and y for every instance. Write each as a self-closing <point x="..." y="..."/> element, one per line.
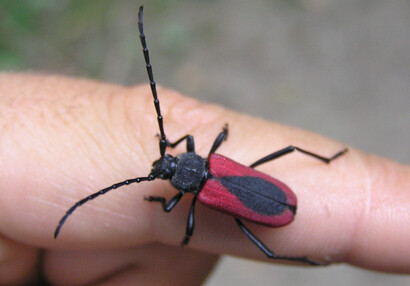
<point x="216" y="181"/>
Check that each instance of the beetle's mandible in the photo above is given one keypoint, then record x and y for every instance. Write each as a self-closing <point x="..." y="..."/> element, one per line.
<point x="216" y="181"/>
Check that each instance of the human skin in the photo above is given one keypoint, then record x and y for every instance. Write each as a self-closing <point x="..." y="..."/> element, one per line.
<point x="63" y="139"/>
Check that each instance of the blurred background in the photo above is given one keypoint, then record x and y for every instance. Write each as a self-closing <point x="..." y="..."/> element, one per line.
<point x="337" y="67"/>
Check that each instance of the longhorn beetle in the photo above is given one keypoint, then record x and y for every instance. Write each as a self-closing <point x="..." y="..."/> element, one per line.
<point x="216" y="181"/>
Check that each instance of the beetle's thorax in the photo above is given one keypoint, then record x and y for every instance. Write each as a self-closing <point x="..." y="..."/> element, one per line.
<point x="187" y="172"/>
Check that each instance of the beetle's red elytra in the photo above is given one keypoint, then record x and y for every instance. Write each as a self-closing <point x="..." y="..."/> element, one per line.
<point x="246" y="193"/>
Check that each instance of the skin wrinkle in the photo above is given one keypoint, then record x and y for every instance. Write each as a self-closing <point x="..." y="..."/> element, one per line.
<point x="387" y="219"/>
<point x="20" y="262"/>
<point x="147" y="102"/>
<point x="103" y="277"/>
<point x="87" y="138"/>
<point x="71" y="114"/>
<point x="336" y="255"/>
<point x="46" y="202"/>
<point x="120" y="214"/>
<point x="361" y="219"/>
<point x="115" y="273"/>
<point x="95" y="139"/>
<point x="133" y="135"/>
<point x="109" y="102"/>
<point x="38" y="110"/>
<point x="47" y="110"/>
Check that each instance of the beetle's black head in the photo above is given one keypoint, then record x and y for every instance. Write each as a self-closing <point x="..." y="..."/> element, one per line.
<point x="164" y="167"/>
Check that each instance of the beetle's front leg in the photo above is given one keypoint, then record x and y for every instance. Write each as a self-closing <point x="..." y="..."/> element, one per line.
<point x="190" y="145"/>
<point x="166" y="206"/>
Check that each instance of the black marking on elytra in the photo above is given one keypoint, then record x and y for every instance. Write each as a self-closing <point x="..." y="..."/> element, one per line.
<point x="257" y="194"/>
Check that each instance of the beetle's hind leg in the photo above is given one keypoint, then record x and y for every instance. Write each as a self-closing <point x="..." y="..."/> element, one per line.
<point x="269" y="253"/>
<point x="221" y="137"/>
<point x="290" y="149"/>
<point x="190" y="224"/>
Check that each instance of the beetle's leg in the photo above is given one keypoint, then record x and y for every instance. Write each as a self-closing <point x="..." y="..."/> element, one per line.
<point x="190" y="224"/>
<point x="269" y="253"/>
<point x="221" y="137"/>
<point x="290" y="149"/>
<point x="166" y="206"/>
<point x="190" y="146"/>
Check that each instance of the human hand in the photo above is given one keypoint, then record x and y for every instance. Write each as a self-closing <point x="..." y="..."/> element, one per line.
<point x="63" y="139"/>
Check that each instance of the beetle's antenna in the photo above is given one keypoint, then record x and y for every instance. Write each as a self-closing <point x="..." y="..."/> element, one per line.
<point x="150" y="177"/>
<point x="162" y="141"/>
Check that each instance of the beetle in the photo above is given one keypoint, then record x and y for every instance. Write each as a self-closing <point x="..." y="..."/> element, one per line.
<point x="216" y="181"/>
